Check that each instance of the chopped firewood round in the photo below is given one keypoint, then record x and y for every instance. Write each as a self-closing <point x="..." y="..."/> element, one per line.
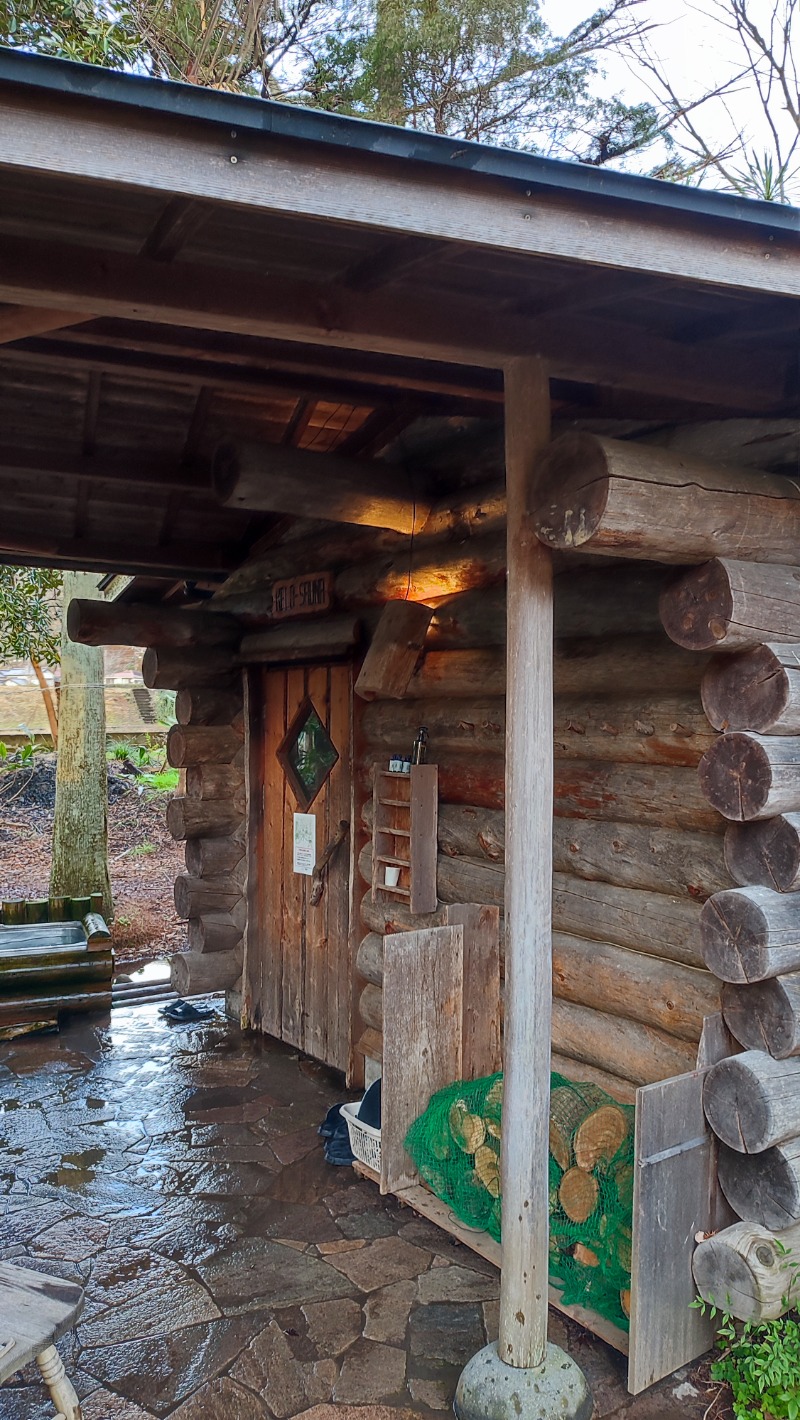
<point x="625" y="1301"/>
<point x="578" y="1195"/>
<point x="585" y="1256"/>
<point x="487" y="1167"/>
<point x="468" y="1130"/>
<point x="600" y="1136"/>
<point x="568" y="1108"/>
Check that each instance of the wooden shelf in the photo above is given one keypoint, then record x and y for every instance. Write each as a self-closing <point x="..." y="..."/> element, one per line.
<point x="414" y="819"/>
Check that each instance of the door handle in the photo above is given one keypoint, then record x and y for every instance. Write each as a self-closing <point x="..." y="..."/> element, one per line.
<point x="322" y="864"/>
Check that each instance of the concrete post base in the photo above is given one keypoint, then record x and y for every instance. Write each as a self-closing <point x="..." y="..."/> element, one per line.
<point x="490" y="1390"/>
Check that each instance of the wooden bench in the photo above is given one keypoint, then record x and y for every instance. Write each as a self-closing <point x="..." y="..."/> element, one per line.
<point x="35" y="1312"/>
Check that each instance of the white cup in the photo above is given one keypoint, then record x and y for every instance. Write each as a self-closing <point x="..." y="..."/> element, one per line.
<point x="391" y="876"/>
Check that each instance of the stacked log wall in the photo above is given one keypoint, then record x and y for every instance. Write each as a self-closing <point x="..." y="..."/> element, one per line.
<point x="637" y="848"/>
<point x="207" y="744"/>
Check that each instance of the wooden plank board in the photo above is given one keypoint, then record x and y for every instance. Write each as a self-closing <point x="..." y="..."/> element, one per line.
<point x="674" y="1198"/>
<point x="423" y="981"/>
<point x="480" y="1027"/>
<point x="35" y="1311"/>
<point x="292" y="933"/>
<point x="315" y="1022"/>
<point x="424" y="830"/>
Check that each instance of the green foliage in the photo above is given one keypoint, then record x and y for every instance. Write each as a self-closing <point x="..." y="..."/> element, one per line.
<point x="165" y="781"/>
<point x="95" y="31"/>
<point x="760" y="1360"/>
<point x="28" y="622"/>
<point x="21" y="756"/>
<point x="482" y="69"/>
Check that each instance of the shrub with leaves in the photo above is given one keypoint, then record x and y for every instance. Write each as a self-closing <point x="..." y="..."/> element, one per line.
<point x="28" y="615"/>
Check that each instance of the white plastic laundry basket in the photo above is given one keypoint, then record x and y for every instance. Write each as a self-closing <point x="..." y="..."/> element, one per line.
<point x="364" y="1140"/>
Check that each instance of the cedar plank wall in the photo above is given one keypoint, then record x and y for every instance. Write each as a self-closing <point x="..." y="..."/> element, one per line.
<point x="637" y="849"/>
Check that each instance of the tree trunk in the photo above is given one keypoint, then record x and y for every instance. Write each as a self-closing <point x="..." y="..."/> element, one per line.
<point x="635" y="500"/>
<point x="746" y="776"/>
<point x="752" y="1101"/>
<point x="763" y="1188"/>
<point x="730" y="606"/>
<point x="765" y="854"/>
<point x="750" y="934"/>
<point x="757" y="690"/>
<point x="765" y="1015"/>
<point x="80" y="824"/>
<point x="742" y="1270"/>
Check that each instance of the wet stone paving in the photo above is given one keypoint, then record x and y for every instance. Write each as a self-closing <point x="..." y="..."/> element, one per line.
<point x="230" y="1273"/>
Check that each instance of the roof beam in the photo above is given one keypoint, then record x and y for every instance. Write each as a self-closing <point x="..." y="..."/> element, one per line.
<point x="17" y="322"/>
<point x="262" y="171"/>
<point x="147" y="470"/>
<point x="176" y="559"/>
<point x="423" y="327"/>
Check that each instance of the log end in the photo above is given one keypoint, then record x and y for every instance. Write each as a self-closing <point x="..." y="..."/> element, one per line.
<point x="571" y="479"/>
<point x="736" y="777"/>
<point x="745" y="692"/>
<point x="733" y="934"/>
<point x="724" y="1279"/>
<point x="760" y="1188"/>
<point x="734" y="1102"/>
<point x="697" y="606"/>
<point x="765" y="854"/>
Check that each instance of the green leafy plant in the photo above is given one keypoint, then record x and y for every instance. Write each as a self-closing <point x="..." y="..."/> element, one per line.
<point x="760" y="1360"/>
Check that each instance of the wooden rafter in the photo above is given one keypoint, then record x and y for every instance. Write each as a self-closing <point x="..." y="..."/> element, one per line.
<point x="181" y="219"/>
<point x="392" y="324"/>
<point x="17" y="322"/>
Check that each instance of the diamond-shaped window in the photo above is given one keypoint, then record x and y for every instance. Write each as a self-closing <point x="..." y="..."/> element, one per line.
<point x="307" y="754"/>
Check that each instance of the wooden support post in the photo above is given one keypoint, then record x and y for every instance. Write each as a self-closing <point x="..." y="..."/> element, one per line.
<point x="528" y="892"/>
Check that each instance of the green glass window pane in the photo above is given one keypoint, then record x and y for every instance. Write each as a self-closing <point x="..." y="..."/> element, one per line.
<point x="310" y="753"/>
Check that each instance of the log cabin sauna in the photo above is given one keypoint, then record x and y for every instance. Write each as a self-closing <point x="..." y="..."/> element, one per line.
<point x="488" y="444"/>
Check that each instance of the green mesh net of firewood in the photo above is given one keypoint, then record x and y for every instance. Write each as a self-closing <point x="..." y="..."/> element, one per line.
<point x="455" y="1145"/>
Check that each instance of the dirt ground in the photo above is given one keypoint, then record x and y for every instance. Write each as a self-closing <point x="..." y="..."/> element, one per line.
<point x="143" y="858"/>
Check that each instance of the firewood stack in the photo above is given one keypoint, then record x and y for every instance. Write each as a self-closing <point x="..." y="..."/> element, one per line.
<point x="750" y="614"/>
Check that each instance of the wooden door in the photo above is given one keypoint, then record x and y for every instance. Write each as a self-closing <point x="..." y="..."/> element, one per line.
<point x="297" y="974"/>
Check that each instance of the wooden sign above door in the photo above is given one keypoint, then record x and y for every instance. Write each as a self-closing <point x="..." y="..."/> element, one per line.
<point x="300" y="596"/>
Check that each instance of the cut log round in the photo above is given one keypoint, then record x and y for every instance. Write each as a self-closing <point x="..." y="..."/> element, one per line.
<point x="193" y="973"/>
<point x="765" y="1015"/>
<point x="639" y="501"/>
<point x="748" y="776"/>
<point x="176" y="670"/>
<point x="756" y="690"/>
<point x="765" y="854"/>
<point x="600" y="1136"/>
<point x="213" y="932"/>
<point x="742" y="1270"/>
<point x="578" y="1194"/>
<point x="750" y="934"/>
<point x="202" y="818"/>
<point x="568" y="1108"/>
<point x="99" y="623"/>
<point x="202" y="744"/>
<point x="195" y="896"/>
<point x="216" y="857"/>
<point x="752" y="1101"/>
<point x="763" y="1188"/>
<point x="207" y="707"/>
<point x="727" y="605"/>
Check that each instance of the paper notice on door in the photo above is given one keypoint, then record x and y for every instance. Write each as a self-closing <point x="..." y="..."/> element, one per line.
<point x="305" y="843"/>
